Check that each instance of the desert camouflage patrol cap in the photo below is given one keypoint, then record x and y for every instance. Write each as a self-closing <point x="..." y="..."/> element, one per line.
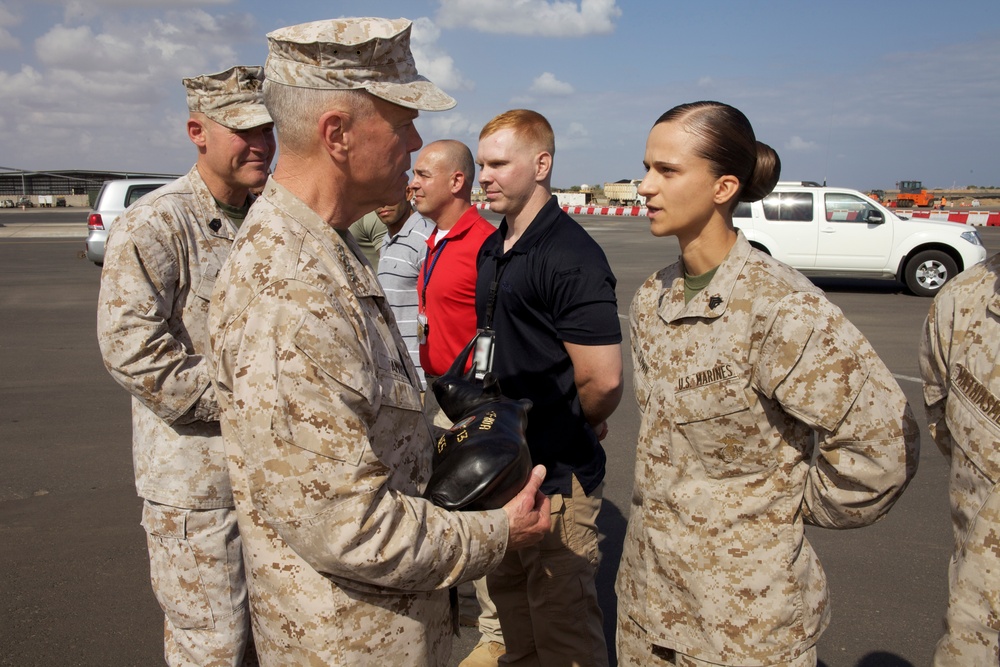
<point x="370" y="54"/>
<point x="233" y="98"/>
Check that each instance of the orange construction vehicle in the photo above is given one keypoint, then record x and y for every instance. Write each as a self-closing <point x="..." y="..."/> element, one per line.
<point x="877" y="195"/>
<point x="912" y="193"/>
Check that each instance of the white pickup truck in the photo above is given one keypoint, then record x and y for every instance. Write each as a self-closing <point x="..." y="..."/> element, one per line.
<point x="828" y="231"/>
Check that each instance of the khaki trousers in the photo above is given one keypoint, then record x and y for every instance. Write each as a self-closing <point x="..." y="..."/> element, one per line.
<point x="546" y="595"/>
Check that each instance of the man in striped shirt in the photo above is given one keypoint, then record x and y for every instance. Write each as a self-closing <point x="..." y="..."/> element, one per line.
<point x="400" y="260"/>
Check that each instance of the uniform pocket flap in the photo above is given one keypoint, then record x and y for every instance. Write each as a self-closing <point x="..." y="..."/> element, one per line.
<point x="327" y="392"/>
<point x="710" y="401"/>
<point x="164" y="521"/>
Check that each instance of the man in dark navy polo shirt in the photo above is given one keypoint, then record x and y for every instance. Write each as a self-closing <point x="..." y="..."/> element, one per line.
<point x="545" y="294"/>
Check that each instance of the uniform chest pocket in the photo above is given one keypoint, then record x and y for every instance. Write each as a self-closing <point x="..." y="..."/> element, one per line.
<point x="718" y="422"/>
<point x="980" y="433"/>
<point x="204" y="284"/>
<point x="397" y="390"/>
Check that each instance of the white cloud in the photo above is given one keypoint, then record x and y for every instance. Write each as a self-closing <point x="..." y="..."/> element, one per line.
<point x="104" y="91"/>
<point x="448" y="125"/>
<point x="432" y="62"/>
<point x="7" y="20"/>
<point x="551" y="18"/>
<point x="548" y="84"/>
<point x="797" y="143"/>
<point x="575" y="136"/>
<point x="7" y="41"/>
<point x="87" y="10"/>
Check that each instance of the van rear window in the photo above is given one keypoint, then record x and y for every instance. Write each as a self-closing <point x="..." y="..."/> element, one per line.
<point x="138" y="192"/>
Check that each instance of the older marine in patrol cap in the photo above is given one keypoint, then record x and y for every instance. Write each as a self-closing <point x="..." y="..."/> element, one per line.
<point x="321" y="415"/>
<point x="162" y="258"/>
<point x="960" y="365"/>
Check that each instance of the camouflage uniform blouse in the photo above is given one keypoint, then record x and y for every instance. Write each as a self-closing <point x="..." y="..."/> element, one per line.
<point x="327" y="447"/>
<point x="960" y="364"/>
<point x="732" y="388"/>
<point x="163" y="255"/>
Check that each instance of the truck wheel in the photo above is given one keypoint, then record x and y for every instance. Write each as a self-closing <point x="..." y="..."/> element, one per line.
<point x="928" y="271"/>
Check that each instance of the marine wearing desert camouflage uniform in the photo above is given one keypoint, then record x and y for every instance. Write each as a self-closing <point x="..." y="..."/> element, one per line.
<point x="763" y="409"/>
<point x="731" y="387"/>
<point x="322" y="422"/>
<point x="960" y="365"/>
<point x="162" y="259"/>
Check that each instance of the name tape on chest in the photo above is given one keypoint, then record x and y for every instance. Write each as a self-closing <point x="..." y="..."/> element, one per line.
<point x="718" y="373"/>
<point x="974" y="390"/>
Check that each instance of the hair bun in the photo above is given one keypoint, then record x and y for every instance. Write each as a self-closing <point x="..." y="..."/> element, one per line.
<point x="765" y="175"/>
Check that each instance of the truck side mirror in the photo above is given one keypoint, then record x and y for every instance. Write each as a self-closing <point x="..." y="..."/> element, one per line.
<point x="875" y="217"/>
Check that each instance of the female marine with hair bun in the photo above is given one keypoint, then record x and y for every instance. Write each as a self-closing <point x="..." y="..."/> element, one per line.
<point x="763" y="409"/>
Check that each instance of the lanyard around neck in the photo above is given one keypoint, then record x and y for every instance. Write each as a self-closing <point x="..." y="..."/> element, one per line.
<point x="429" y="263"/>
<point x="491" y="299"/>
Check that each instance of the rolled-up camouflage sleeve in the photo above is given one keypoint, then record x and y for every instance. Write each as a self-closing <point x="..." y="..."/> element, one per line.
<point x="935" y="347"/>
<point x="143" y="338"/>
<point x="329" y="449"/>
<point x="823" y="371"/>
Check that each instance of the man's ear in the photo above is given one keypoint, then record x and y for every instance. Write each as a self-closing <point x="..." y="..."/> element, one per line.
<point x="726" y="188"/>
<point x="197" y="132"/>
<point x="457" y="182"/>
<point x="334" y="135"/>
<point x="543" y="166"/>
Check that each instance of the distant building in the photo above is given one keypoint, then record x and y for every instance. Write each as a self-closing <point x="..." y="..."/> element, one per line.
<point x="70" y="182"/>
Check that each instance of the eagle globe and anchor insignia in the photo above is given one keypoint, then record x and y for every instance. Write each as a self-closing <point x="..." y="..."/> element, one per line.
<point x="482" y="461"/>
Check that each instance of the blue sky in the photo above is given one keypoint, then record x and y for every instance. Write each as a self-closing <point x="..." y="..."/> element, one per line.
<point x="860" y="94"/>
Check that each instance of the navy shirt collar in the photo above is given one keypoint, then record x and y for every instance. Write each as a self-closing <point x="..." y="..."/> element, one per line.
<point x="536" y="230"/>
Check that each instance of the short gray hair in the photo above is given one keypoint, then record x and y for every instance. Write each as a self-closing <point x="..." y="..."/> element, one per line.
<point x="295" y="110"/>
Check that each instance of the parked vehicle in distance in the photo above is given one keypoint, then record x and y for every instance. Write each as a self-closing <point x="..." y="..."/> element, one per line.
<point x="912" y="193"/>
<point x="573" y="198"/>
<point x="61" y="201"/>
<point x="877" y="195"/>
<point x="25" y="202"/>
<point x="46" y="201"/>
<point x="624" y="193"/>
<point x="7" y="203"/>
<point x="826" y="231"/>
<point x="112" y="200"/>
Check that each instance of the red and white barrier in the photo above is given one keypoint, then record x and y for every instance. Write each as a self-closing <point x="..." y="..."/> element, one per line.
<point x="975" y="218"/>
<point x="589" y="210"/>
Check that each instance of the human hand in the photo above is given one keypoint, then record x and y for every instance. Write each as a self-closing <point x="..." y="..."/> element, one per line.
<point x="528" y="513"/>
<point x="601" y="430"/>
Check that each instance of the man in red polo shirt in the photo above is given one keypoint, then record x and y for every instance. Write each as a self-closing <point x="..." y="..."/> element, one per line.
<point x="446" y="286"/>
<point x="442" y="190"/>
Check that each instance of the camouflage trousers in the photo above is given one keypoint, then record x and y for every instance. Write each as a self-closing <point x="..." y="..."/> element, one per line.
<point x="635" y="650"/>
<point x="973" y="619"/>
<point x="196" y="568"/>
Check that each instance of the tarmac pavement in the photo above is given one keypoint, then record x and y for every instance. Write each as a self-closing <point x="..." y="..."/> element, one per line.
<point x="75" y="586"/>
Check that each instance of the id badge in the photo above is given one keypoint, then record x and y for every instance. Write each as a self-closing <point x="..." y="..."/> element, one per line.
<point x="422" y="329"/>
<point x="482" y="357"/>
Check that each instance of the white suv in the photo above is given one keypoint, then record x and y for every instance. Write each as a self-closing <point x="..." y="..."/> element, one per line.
<point x="112" y="200"/>
<point x="841" y="232"/>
